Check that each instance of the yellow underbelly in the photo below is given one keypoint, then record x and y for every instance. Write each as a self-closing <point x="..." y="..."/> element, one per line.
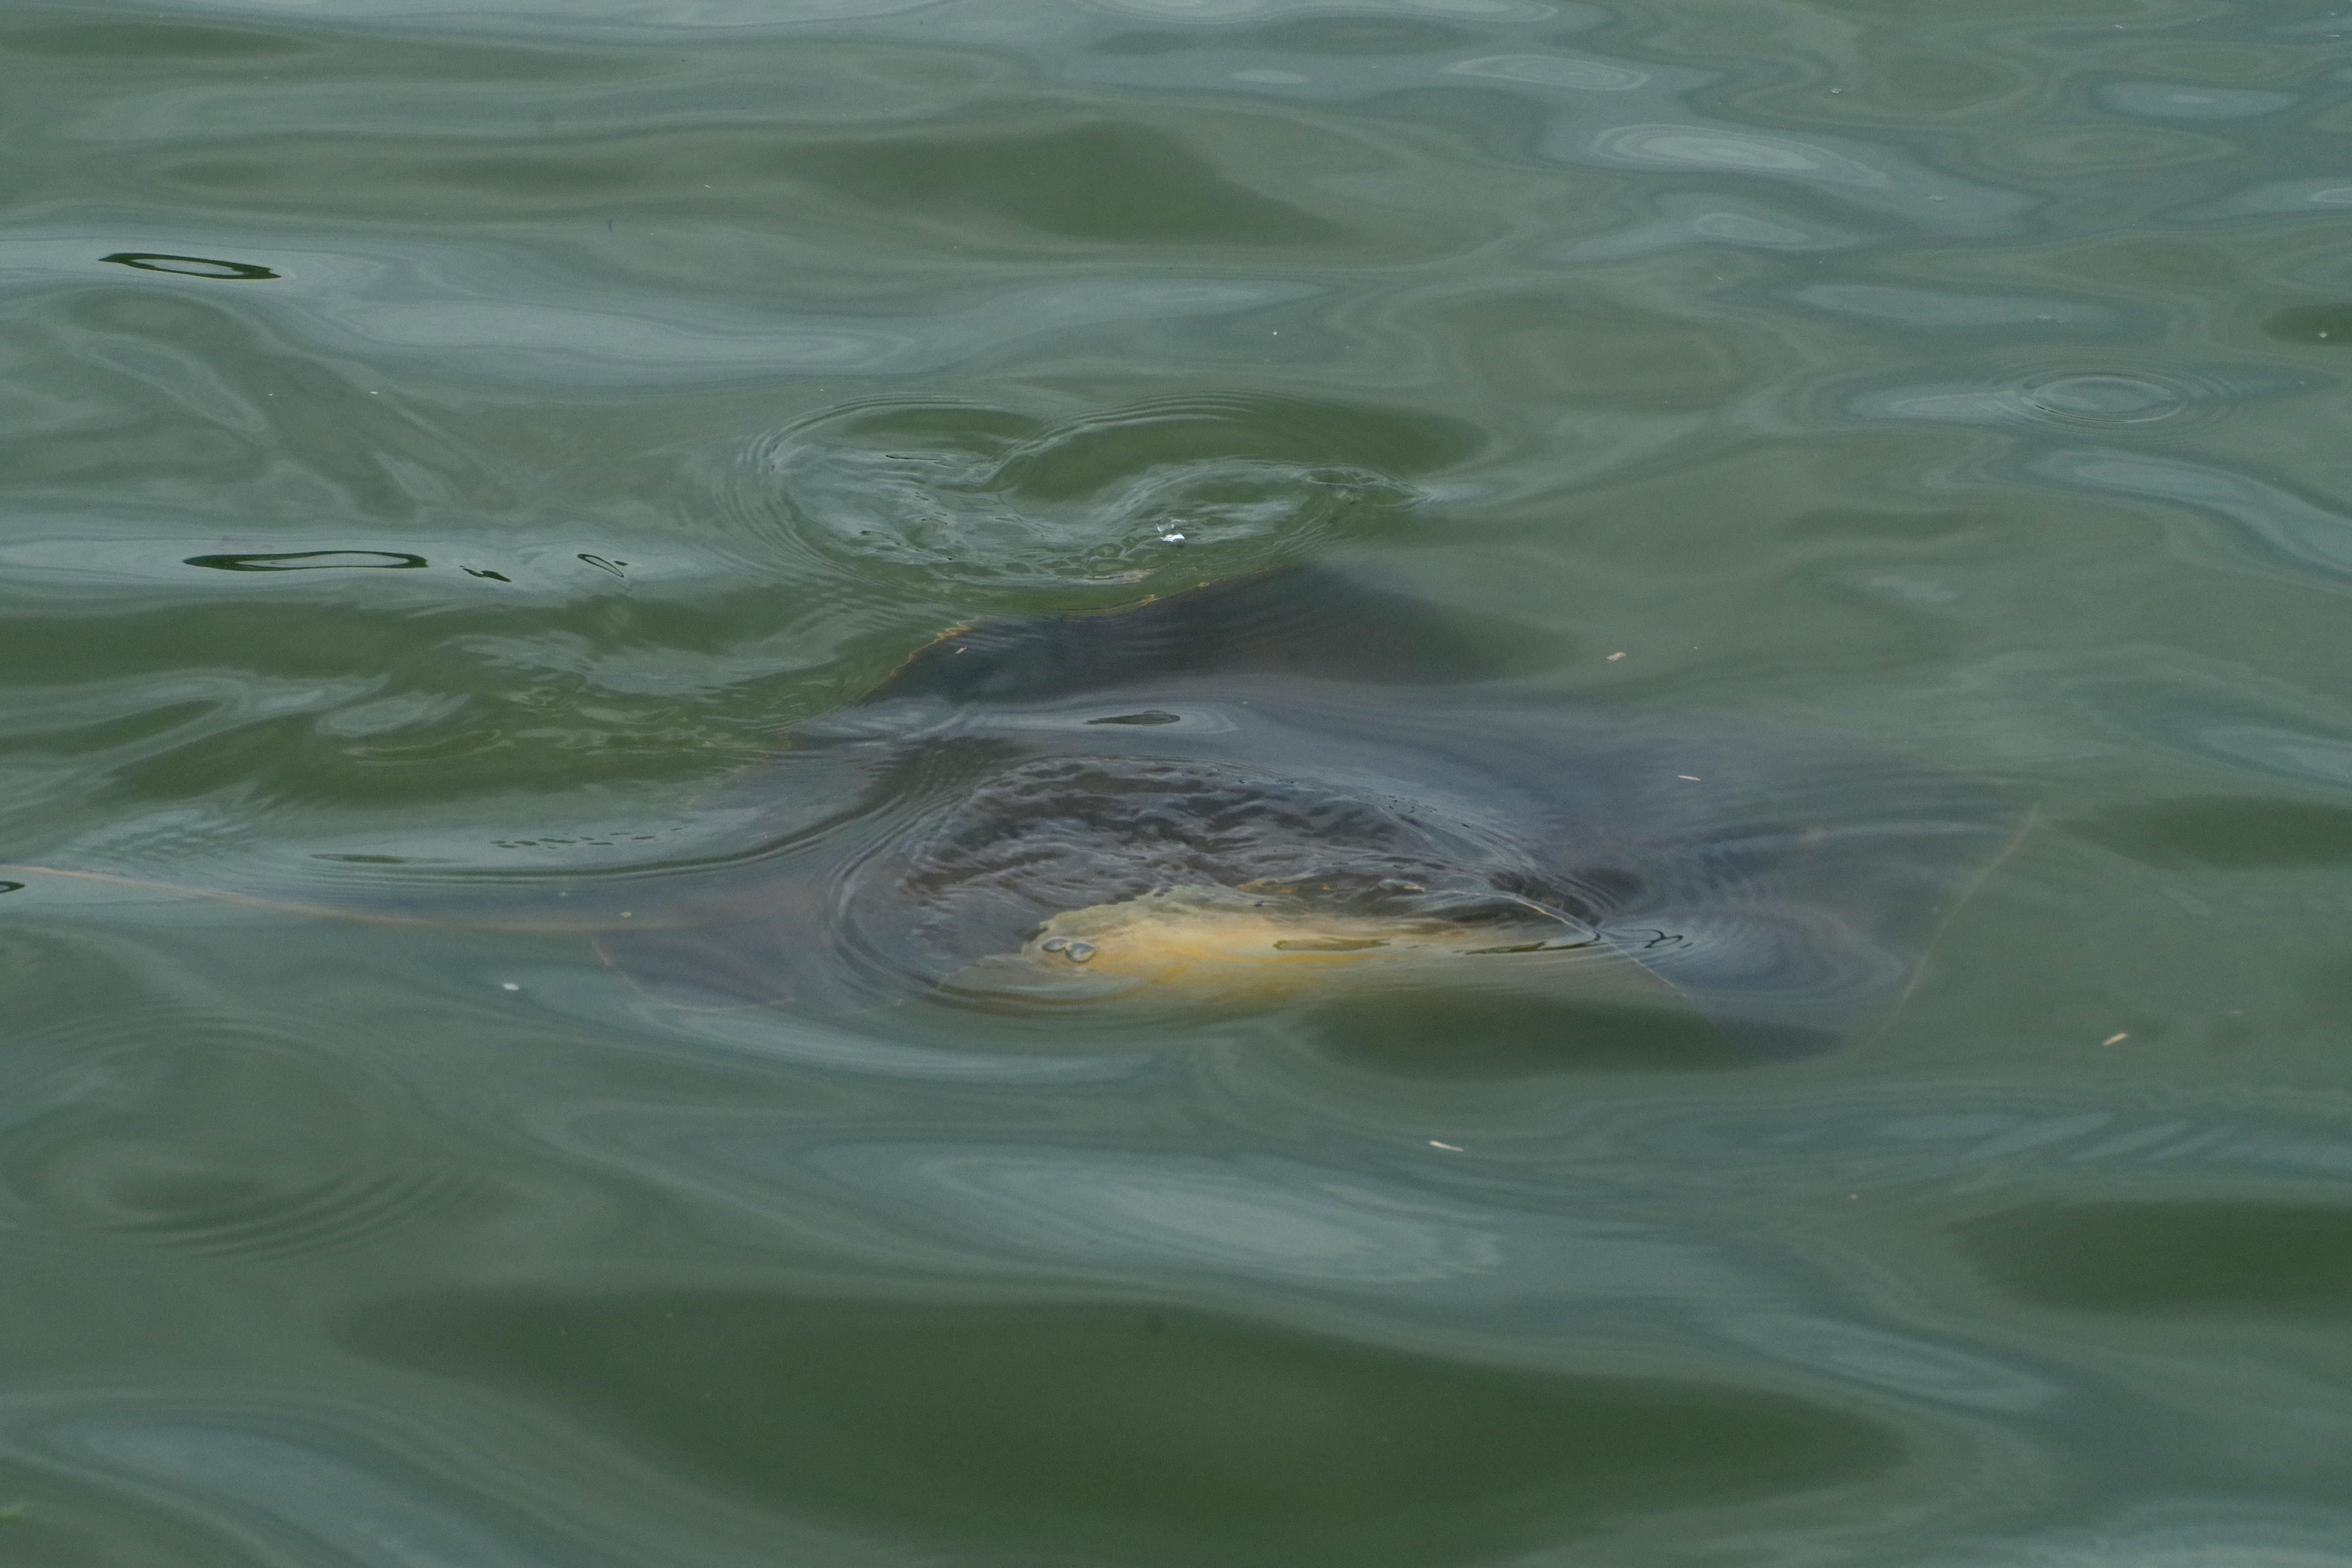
<point x="1226" y="946"/>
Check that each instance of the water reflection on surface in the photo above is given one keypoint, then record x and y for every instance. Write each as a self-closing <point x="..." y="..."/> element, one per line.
<point x="446" y="447"/>
<point x="1156" y="1435"/>
<point x="1168" y="493"/>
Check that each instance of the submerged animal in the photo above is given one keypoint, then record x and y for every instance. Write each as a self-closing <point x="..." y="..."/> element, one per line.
<point x="1293" y="786"/>
<point x="1265" y="790"/>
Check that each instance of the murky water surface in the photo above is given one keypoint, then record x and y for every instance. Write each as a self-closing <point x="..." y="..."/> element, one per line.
<point x="446" y="447"/>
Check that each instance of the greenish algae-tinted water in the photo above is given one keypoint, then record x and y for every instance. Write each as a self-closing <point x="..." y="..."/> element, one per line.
<point x="459" y="438"/>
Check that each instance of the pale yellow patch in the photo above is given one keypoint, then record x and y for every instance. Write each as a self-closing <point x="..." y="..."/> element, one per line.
<point x="1230" y="945"/>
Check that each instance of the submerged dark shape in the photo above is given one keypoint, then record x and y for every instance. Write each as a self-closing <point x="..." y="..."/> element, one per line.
<point x="1289" y="788"/>
<point x="1283" y="778"/>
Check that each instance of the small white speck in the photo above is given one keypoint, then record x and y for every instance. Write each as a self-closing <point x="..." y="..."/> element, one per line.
<point x="1615" y="657"/>
<point x="1454" y="1147"/>
<point x="1692" y="777"/>
<point x="508" y="985"/>
<point x="2113" y="1039"/>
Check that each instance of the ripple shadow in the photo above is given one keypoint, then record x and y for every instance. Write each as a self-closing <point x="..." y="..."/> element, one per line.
<point x="1167" y="492"/>
<point x="2169" y="1257"/>
<point x="1125" y="1433"/>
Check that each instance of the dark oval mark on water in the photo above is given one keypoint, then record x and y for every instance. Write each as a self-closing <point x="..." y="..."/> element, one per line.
<point x="2237" y="832"/>
<point x="12" y="887"/>
<point x="311" y="561"/>
<point x="1094" y="180"/>
<point x="2329" y="325"/>
<point x="130" y="39"/>
<point x="1362" y="36"/>
<point x="1154" y="716"/>
<point x="229" y="271"/>
<point x="1124" y="1434"/>
<point x="1574" y="346"/>
<point x="2168" y="1256"/>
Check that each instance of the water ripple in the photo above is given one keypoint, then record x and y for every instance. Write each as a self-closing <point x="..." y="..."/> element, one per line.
<point x="281" y="1159"/>
<point x="2285" y="526"/>
<point x="2117" y="393"/>
<point x="1871" y="176"/>
<point x="1173" y="491"/>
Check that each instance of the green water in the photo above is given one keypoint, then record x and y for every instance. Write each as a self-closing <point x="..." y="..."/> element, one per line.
<point x="459" y="438"/>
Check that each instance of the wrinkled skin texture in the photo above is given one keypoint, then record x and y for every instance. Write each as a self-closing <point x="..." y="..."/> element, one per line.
<point x="1022" y="775"/>
<point x="1254" y="791"/>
